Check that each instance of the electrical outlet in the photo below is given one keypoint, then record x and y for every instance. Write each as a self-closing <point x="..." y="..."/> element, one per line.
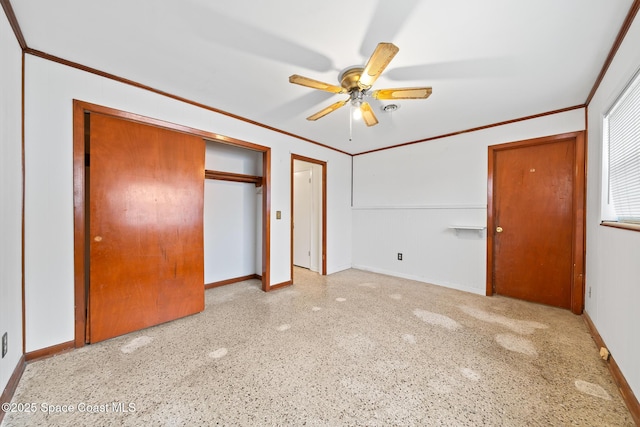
<point x="5" y="344"/>
<point x="399" y="256"/>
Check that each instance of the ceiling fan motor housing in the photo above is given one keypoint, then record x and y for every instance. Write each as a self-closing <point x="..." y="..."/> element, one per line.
<point x="350" y="77"/>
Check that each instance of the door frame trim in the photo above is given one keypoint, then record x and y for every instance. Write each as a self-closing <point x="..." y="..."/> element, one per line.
<point x="324" y="209"/>
<point x="80" y="108"/>
<point x="578" y="214"/>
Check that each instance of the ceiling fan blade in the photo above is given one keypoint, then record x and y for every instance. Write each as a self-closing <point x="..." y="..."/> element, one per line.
<point x="379" y="60"/>
<point x="329" y="109"/>
<point x="402" y="93"/>
<point x="315" y="84"/>
<point x="367" y="114"/>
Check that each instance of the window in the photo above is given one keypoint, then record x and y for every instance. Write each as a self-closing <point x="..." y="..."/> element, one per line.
<point x="622" y="142"/>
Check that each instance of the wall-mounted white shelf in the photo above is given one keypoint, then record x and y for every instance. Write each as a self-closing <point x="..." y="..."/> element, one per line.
<point x="471" y="228"/>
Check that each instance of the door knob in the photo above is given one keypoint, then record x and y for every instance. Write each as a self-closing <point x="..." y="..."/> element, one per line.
<point x="498" y="229"/>
<point x="98" y="238"/>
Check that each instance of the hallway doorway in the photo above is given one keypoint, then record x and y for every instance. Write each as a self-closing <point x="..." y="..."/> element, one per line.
<point x="308" y="214"/>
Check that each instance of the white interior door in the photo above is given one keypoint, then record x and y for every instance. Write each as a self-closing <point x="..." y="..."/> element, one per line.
<point x="302" y="218"/>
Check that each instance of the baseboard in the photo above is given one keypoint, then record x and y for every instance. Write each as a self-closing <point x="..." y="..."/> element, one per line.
<point x="623" y="386"/>
<point x="12" y="385"/>
<point x="338" y="269"/>
<point x="457" y="287"/>
<point x="43" y="353"/>
<point x="230" y="281"/>
<point x="281" y="285"/>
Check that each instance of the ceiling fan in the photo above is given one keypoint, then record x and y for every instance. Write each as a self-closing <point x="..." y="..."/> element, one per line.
<point x="357" y="82"/>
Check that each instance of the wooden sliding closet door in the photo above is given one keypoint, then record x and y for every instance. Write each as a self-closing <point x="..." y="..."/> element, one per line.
<point x="145" y="226"/>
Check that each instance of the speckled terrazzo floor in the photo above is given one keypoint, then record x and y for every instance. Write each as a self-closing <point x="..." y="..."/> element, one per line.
<point x="353" y="348"/>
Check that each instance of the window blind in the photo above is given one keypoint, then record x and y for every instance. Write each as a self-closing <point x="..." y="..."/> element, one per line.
<point x="623" y="123"/>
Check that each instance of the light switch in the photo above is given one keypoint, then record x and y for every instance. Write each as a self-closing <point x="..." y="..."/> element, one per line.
<point x="278" y="215"/>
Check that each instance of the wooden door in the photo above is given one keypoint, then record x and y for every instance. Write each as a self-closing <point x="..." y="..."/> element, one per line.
<point x="302" y="201"/>
<point x="145" y="216"/>
<point x="533" y="224"/>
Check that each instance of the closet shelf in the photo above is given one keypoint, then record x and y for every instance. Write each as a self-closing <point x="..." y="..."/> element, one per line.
<point x="234" y="177"/>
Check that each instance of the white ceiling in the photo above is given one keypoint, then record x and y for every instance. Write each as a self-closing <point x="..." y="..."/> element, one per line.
<point x="488" y="61"/>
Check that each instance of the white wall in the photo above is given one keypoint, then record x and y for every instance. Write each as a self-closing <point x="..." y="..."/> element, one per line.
<point x="50" y="89"/>
<point x="613" y="255"/>
<point x="406" y="198"/>
<point x="231" y="212"/>
<point x="10" y="199"/>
